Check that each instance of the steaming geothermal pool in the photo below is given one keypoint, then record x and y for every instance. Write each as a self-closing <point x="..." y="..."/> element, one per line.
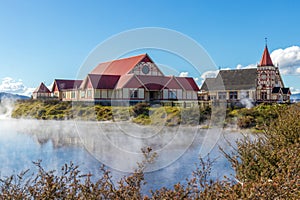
<point x="115" y="144"/>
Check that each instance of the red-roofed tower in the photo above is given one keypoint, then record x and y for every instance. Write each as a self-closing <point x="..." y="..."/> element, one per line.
<point x="268" y="77"/>
<point x="266" y="58"/>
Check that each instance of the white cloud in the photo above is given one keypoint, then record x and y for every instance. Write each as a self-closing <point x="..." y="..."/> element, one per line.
<point x="10" y="85"/>
<point x="209" y="74"/>
<point x="239" y="66"/>
<point x="294" y="90"/>
<point x="184" y="74"/>
<point x="288" y="60"/>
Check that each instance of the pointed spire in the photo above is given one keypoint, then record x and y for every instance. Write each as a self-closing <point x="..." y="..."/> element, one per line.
<point x="266" y="58"/>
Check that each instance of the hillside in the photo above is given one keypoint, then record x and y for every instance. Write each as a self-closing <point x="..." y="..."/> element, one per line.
<point x="254" y="118"/>
<point x="140" y="113"/>
<point x="295" y="97"/>
<point x="12" y="96"/>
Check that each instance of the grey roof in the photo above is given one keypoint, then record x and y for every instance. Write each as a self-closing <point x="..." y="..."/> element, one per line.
<point x="212" y="84"/>
<point x="237" y="79"/>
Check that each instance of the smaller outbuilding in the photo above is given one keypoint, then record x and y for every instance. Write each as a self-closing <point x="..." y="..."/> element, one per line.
<point x="41" y="92"/>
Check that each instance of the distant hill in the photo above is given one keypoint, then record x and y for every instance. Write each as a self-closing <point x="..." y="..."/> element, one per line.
<point x="295" y="97"/>
<point x="12" y="96"/>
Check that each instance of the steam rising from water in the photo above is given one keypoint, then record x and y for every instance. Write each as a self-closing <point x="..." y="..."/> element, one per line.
<point x="57" y="142"/>
<point x="247" y="103"/>
<point x="6" y="107"/>
<point x="118" y="144"/>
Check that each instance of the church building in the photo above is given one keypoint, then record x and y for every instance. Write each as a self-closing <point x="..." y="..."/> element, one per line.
<point x="259" y="85"/>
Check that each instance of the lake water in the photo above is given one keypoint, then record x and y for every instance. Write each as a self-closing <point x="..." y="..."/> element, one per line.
<point x="115" y="144"/>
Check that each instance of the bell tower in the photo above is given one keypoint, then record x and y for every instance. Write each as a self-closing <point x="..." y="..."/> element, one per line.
<point x="268" y="77"/>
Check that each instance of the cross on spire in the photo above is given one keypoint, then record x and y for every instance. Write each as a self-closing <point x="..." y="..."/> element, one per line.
<point x="266" y="41"/>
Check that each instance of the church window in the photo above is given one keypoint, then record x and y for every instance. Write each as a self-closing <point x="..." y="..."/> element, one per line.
<point x="110" y="94"/>
<point x="263" y="95"/>
<point x="172" y="94"/>
<point x="89" y="93"/>
<point x="222" y="95"/>
<point x="104" y="93"/>
<point x="245" y="94"/>
<point x="133" y="93"/>
<point x="212" y="97"/>
<point x="73" y="94"/>
<point x="233" y="95"/>
<point x="82" y="94"/>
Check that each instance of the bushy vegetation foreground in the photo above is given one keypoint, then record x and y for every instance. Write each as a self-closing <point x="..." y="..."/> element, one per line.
<point x="266" y="166"/>
<point x="141" y="113"/>
<point x="257" y="117"/>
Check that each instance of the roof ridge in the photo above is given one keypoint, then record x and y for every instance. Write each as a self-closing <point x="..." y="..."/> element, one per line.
<point x="238" y="69"/>
<point x="120" y="66"/>
<point x="108" y="61"/>
<point x="141" y="82"/>
<point x="42" y="88"/>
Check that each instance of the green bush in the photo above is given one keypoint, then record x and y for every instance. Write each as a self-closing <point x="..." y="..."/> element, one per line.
<point x="142" y="119"/>
<point x="257" y="117"/>
<point x="268" y="166"/>
<point x="140" y="109"/>
<point x="246" y="121"/>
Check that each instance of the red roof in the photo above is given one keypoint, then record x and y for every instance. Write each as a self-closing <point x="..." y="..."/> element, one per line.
<point x="129" y="81"/>
<point x="42" y="89"/>
<point x="266" y="59"/>
<point x="154" y="82"/>
<point x="173" y="83"/>
<point x="61" y="84"/>
<point x="121" y="66"/>
<point x="188" y="83"/>
<point x="103" y="81"/>
<point x="115" y="75"/>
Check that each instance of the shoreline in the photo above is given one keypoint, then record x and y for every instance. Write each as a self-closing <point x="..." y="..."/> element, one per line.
<point x="205" y="126"/>
<point x="235" y="119"/>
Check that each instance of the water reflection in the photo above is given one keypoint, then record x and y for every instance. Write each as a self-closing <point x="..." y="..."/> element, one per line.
<point x="89" y="144"/>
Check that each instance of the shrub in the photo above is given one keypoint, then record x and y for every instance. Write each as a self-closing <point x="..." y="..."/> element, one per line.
<point x="69" y="183"/>
<point x="268" y="166"/>
<point x="142" y="119"/>
<point x="259" y="116"/>
<point x="246" y="122"/>
<point x="140" y="109"/>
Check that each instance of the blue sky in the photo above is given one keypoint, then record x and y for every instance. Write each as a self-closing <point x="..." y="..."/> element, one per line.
<point x="43" y="40"/>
